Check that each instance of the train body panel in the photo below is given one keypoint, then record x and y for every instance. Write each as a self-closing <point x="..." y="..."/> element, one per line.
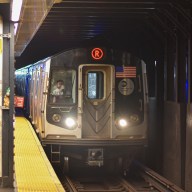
<point x="86" y="96"/>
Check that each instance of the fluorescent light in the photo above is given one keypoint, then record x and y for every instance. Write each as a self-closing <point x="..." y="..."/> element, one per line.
<point x="15" y="27"/>
<point x="16" y="10"/>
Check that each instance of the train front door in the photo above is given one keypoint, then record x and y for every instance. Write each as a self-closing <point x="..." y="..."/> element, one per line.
<point x="95" y="102"/>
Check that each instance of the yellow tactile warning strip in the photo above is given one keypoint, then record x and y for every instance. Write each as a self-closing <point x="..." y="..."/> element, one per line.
<point x="33" y="171"/>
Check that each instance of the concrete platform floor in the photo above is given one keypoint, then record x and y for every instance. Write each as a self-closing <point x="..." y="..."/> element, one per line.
<point x="6" y="189"/>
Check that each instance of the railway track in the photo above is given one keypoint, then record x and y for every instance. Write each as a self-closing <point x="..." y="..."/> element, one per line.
<point x="142" y="179"/>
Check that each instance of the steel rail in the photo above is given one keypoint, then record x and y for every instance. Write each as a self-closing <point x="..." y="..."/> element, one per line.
<point x="156" y="180"/>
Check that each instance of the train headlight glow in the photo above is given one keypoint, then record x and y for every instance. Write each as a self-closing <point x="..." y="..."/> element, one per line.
<point x="56" y="118"/>
<point x="70" y="122"/>
<point x="122" y="123"/>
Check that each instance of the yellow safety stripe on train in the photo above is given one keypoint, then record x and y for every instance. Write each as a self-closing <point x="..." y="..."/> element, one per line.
<point x="33" y="171"/>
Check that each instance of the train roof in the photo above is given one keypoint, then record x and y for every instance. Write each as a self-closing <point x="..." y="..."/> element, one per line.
<point x="33" y="64"/>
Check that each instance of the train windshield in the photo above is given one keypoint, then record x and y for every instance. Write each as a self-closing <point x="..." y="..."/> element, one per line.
<point x="62" y="87"/>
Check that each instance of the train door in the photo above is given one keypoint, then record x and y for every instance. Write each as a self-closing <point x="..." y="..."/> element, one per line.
<point x="32" y="96"/>
<point x="36" y="86"/>
<point x="42" y="86"/>
<point x="34" y="91"/>
<point x="39" y="98"/>
<point x="31" y="93"/>
<point x="95" y="102"/>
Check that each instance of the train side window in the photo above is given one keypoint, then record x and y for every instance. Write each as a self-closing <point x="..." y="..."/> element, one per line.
<point x="95" y="85"/>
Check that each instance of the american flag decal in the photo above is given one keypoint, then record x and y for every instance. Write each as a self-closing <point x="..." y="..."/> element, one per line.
<point x="125" y="72"/>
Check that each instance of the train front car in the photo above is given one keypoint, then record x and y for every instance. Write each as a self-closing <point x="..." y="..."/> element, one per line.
<point x="101" y="112"/>
<point x="92" y="108"/>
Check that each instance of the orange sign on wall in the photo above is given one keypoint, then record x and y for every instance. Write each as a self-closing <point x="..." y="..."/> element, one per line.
<point x="19" y="101"/>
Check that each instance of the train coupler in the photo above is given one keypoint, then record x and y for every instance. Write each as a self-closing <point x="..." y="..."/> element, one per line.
<point x="95" y="157"/>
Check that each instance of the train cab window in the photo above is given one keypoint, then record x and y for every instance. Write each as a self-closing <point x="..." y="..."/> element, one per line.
<point x="63" y="87"/>
<point x="95" y="85"/>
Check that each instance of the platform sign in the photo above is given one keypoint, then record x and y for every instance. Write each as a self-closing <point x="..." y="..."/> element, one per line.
<point x="1" y="64"/>
<point x="19" y="101"/>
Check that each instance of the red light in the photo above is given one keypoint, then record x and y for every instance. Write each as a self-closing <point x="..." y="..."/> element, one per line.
<point x="97" y="53"/>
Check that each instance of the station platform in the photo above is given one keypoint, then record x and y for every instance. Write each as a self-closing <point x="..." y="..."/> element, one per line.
<point x="32" y="169"/>
<point x="6" y="190"/>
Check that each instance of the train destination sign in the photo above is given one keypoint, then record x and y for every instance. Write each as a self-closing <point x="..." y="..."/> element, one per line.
<point x="97" y="53"/>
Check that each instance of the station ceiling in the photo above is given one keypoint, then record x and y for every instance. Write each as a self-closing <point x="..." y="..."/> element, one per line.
<point x="49" y="26"/>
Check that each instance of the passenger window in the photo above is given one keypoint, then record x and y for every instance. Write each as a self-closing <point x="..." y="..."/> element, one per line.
<point x="95" y="85"/>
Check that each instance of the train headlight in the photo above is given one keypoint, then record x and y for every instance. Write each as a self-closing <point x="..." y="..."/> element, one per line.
<point x="56" y="118"/>
<point x="70" y="122"/>
<point x="122" y="122"/>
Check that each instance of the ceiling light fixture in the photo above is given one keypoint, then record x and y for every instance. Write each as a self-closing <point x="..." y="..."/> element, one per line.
<point x="16" y="10"/>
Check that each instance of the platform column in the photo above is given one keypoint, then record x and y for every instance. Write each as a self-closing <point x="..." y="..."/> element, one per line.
<point x="7" y="112"/>
<point x="1" y="64"/>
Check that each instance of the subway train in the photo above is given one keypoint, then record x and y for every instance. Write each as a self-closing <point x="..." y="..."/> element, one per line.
<point x="87" y="105"/>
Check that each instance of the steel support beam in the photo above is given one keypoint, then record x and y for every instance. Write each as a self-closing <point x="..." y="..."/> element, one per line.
<point x="7" y="113"/>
